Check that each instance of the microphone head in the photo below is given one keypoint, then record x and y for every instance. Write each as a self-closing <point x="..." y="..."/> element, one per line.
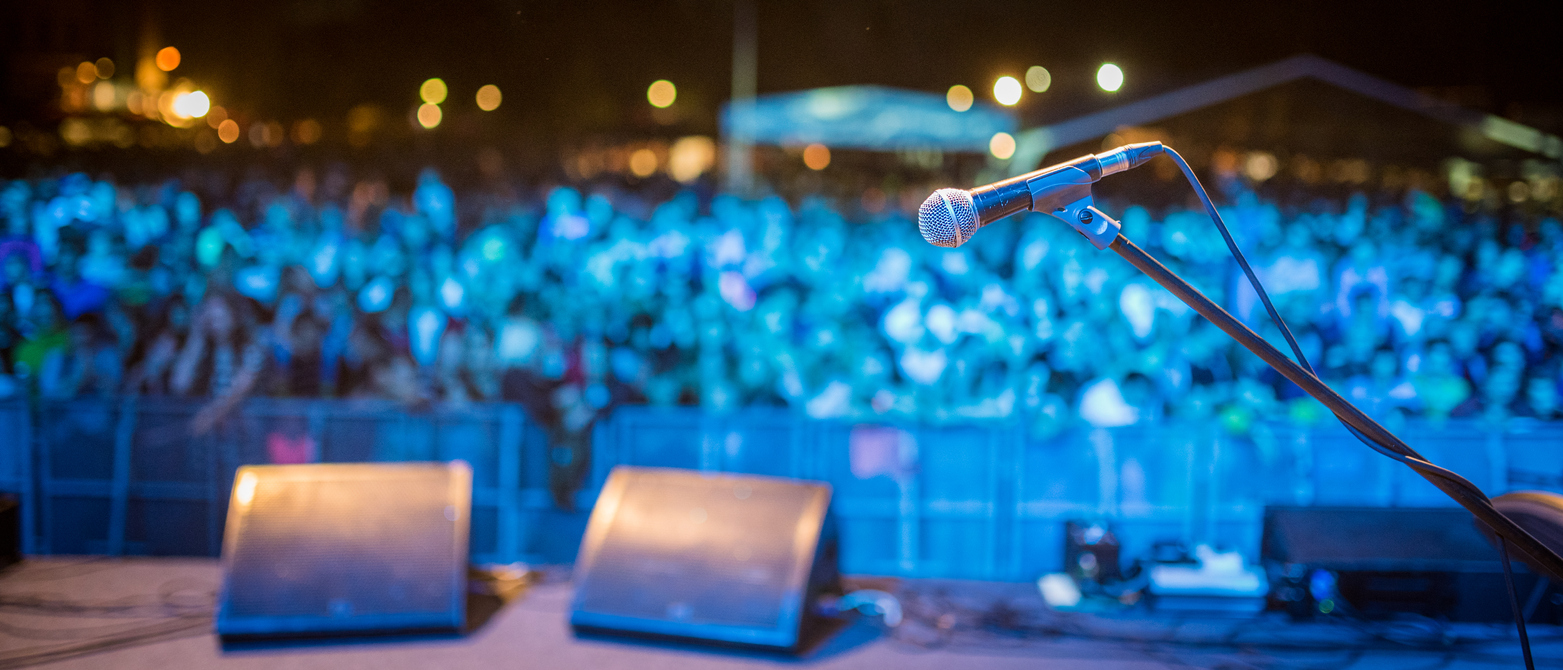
<point x="948" y="218"/>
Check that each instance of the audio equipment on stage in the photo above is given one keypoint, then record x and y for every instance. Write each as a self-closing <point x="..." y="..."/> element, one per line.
<point x="10" y="530"/>
<point x="345" y="549"/>
<point x="1383" y="561"/>
<point x="713" y="557"/>
<point x="1540" y="513"/>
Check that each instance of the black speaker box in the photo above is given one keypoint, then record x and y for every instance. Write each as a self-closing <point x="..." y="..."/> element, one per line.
<point x="10" y="529"/>
<point x="710" y="557"/>
<point x="345" y="549"/>
<point x="1385" y="561"/>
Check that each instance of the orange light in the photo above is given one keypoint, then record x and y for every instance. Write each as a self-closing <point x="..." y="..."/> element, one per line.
<point x="816" y="156"/>
<point x="429" y="115"/>
<point x="228" y="131"/>
<point x="643" y="163"/>
<point x="489" y="98"/>
<point x="167" y="59"/>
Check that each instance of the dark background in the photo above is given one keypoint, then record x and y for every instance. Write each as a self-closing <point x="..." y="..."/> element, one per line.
<point x="576" y="68"/>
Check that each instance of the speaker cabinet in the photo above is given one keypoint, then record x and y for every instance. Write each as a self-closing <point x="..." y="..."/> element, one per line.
<point x="345" y="549"/>
<point x="715" y="557"/>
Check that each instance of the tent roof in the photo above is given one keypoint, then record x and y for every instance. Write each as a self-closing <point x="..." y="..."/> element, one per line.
<point x="866" y="117"/>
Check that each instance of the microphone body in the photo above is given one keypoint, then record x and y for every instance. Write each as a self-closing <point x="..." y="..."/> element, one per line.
<point x="951" y="216"/>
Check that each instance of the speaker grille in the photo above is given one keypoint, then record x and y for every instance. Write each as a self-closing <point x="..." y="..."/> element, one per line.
<point x="315" y="548"/>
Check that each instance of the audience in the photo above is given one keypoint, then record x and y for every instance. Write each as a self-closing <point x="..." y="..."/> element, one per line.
<point x="575" y="302"/>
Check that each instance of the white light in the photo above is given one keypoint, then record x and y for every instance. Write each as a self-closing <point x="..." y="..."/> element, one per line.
<point x="1038" y="79"/>
<point x="1109" y="77"/>
<point x="192" y="105"/>
<point x="1007" y="90"/>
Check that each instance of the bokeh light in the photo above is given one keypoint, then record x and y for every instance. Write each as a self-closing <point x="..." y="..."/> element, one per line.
<point x="643" y="163"/>
<point x="1006" y="90"/>
<point x="105" y="68"/>
<point x="103" y="96"/>
<point x="690" y="157"/>
<point x="86" y="72"/>
<point x="1109" y="77"/>
<point x="193" y="105"/>
<point x="429" y="115"/>
<point x="1260" y="165"/>
<point x="307" y="132"/>
<point x="959" y="98"/>
<point x="489" y="98"/>
<point x="228" y="131"/>
<point x="167" y="59"/>
<point x="1002" y="146"/>
<point x="433" y="92"/>
<point x="816" y="156"/>
<point x="1038" y="79"/>
<point x="661" y="93"/>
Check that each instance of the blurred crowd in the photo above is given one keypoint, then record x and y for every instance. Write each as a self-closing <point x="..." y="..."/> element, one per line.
<point x="573" y="301"/>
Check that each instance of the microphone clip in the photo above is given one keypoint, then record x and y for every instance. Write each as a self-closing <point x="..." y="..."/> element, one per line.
<point x="1066" y="194"/>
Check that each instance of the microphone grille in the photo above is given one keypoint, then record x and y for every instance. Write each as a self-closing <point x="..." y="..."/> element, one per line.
<point x="947" y="218"/>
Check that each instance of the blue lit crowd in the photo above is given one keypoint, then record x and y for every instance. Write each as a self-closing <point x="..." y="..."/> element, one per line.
<point x="576" y="300"/>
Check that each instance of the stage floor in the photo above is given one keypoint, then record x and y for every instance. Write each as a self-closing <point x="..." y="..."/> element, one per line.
<point x="153" y="614"/>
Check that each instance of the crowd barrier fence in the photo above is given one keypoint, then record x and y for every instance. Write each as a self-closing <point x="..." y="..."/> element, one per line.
<point x="982" y="501"/>
<point x="127" y="476"/>
<point x="989" y="501"/>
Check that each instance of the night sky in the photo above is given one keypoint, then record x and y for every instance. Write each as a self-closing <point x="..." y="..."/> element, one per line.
<point x="580" y="68"/>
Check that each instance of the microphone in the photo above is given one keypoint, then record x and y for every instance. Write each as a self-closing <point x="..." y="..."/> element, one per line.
<point x="950" y="216"/>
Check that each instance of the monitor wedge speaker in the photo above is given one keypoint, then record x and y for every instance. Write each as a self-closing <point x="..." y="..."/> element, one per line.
<point x="719" y="558"/>
<point x="345" y="549"/>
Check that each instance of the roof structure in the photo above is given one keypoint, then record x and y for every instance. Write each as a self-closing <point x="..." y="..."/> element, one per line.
<point x="867" y="117"/>
<point x="1033" y="145"/>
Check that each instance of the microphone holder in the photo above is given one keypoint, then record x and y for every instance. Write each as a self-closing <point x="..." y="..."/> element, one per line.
<point x="1540" y="555"/>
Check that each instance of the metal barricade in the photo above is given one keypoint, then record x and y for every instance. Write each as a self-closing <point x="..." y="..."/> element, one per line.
<point x="128" y="475"/>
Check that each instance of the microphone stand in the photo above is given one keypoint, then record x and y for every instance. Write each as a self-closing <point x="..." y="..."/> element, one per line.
<point x="1539" y="554"/>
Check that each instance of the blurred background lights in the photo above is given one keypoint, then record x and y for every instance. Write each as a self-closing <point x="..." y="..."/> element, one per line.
<point x="661" y="93"/>
<point x="167" y="59"/>
<point x="86" y="72"/>
<point x="429" y="115"/>
<point x="643" y="163"/>
<point x="1038" y="79"/>
<point x="816" y="156"/>
<point x="1006" y="90"/>
<point x="489" y="98"/>
<point x="959" y="98"/>
<point x="433" y="92"/>
<point x="1260" y="166"/>
<point x="105" y="68"/>
<point x="103" y="96"/>
<point x="1109" y="77"/>
<point x="689" y="157"/>
<point x="228" y="131"/>
<point x="192" y="105"/>
<point x="1002" y="146"/>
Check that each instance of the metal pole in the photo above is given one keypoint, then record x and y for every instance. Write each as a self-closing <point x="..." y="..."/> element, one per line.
<point x="740" y="142"/>
<point x="1540" y="555"/>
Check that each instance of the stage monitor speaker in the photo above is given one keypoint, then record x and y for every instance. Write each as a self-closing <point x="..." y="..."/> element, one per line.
<point x="1386" y="561"/>
<point x="713" y="557"/>
<point x="345" y="549"/>
<point x="10" y="529"/>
